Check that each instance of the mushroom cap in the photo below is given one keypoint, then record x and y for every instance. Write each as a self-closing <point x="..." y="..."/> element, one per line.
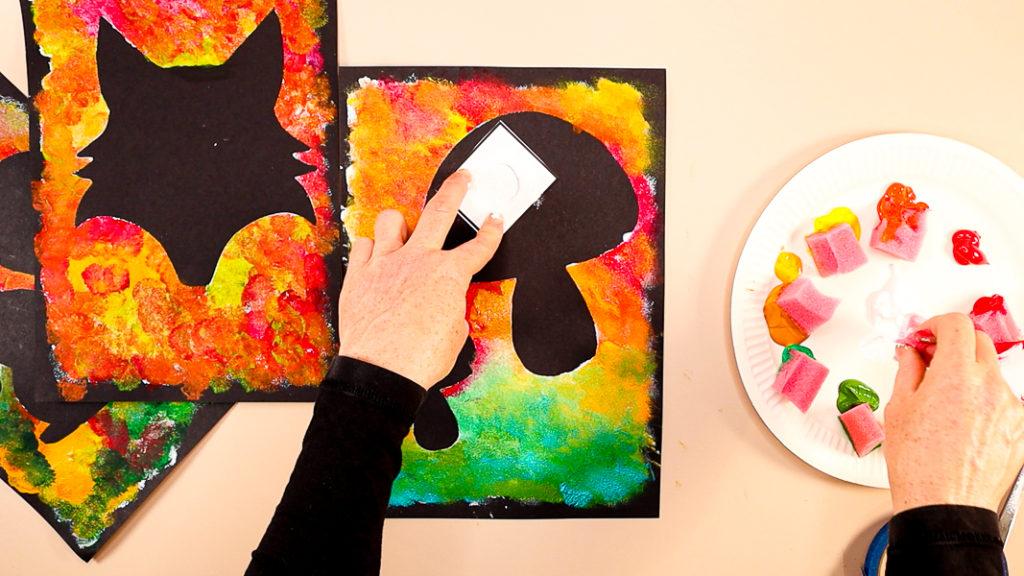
<point x="586" y="211"/>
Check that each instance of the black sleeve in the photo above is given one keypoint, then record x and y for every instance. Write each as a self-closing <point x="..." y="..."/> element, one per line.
<point x="331" y="516"/>
<point x="945" y="540"/>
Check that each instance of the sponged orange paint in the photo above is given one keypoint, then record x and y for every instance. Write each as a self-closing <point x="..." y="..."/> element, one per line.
<point x="13" y="280"/>
<point x="116" y="310"/>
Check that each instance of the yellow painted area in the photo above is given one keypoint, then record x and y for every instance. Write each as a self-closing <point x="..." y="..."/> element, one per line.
<point x="71" y="460"/>
<point x="228" y="282"/>
<point x="788" y="266"/>
<point x="837" y="216"/>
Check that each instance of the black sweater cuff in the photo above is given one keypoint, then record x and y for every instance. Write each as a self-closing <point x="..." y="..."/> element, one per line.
<point x="378" y="386"/>
<point x="945" y="539"/>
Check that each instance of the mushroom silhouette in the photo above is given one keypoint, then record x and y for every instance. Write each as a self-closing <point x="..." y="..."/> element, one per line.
<point x="587" y="211"/>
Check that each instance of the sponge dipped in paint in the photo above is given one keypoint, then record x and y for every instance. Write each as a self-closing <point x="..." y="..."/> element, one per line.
<point x="800" y="378"/>
<point x="836" y="250"/>
<point x="901" y="223"/>
<point x="805" y="305"/>
<point x="990" y="315"/>
<point x="904" y="243"/>
<point x="862" y="428"/>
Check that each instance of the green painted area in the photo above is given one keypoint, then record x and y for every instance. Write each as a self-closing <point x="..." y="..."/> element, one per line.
<point x="541" y="440"/>
<point x="17" y="438"/>
<point x="154" y="434"/>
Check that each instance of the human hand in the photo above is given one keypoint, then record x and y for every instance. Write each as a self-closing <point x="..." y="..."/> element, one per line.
<point x="953" y="430"/>
<point x="403" y="303"/>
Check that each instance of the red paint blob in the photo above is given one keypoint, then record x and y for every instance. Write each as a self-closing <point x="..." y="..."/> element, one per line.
<point x="965" y="248"/>
<point x="985" y="304"/>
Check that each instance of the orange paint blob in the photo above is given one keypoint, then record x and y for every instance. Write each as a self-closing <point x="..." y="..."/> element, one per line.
<point x="781" y="328"/>
<point x="898" y="206"/>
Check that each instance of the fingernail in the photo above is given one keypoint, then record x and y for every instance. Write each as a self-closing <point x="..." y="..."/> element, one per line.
<point x="463" y="173"/>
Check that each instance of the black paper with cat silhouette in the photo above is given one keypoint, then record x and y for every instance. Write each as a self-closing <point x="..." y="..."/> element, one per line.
<point x="216" y="146"/>
<point x="25" y="350"/>
<point x="207" y="155"/>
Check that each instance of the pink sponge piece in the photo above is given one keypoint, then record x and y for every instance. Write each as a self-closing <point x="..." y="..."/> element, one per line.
<point x="799" y="379"/>
<point x="805" y="305"/>
<point x="991" y="317"/>
<point x="863" y="429"/>
<point x="836" y="250"/>
<point x="907" y="241"/>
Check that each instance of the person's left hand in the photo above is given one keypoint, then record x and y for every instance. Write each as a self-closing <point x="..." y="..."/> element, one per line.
<point x="403" y="303"/>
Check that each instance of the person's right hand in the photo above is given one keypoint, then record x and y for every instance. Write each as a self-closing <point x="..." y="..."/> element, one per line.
<point x="954" y="430"/>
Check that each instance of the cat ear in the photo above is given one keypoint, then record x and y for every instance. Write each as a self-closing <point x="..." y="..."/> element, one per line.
<point x="117" y="59"/>
<point x="261" y="52"/>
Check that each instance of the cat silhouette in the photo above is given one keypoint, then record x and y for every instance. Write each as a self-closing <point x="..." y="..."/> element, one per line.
<point x="586" y="212"/>
<point x="192" y="154"/>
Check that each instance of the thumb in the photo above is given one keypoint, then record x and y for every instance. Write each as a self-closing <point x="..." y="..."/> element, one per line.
<point x="910" y="372"/>
<point x="477" y="252"/>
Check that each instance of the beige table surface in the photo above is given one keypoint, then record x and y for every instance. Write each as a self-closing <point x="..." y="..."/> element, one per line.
<point x="756" y="90"/>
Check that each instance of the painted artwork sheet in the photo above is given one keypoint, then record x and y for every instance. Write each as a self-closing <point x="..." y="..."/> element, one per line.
<point x="84" y="467"/>
<point x="553" y="408"/>
<point x="188" y="211"/>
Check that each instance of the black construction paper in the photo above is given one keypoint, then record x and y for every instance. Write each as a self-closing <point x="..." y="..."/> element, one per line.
<point x="568" y="315"/>
<point x="190" y="231"/>
<point x="127" y="465"/>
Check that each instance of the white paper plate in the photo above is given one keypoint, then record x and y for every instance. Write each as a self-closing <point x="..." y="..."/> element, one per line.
<point x="965" y="188"/>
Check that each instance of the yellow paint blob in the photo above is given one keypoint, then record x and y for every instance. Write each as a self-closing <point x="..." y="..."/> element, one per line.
<point x="838" y="216"/>
<point x="788" y="266"/>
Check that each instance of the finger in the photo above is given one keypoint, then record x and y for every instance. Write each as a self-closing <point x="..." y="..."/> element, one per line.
<point x="909" y="374"/>
<point x="440" y="212"/>
<point x="389" y="232"/>
<point x="359" y="253"/>
<point x="476" y="253"/>
<point x="985" y="350"/>
<point x="954" y="337"/>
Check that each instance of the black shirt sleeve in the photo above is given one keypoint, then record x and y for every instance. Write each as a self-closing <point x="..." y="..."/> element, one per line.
<point x="945" y="540"/>
<point x="331" y="516"/>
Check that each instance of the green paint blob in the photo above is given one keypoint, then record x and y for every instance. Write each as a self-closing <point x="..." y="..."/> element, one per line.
<point x="788" y="350"/>
<point x="853" y="392"/>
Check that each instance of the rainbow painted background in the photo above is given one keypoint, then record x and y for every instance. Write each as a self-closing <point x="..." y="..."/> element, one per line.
<point x="116" y="309"/>
<point x="579" y="440"/>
